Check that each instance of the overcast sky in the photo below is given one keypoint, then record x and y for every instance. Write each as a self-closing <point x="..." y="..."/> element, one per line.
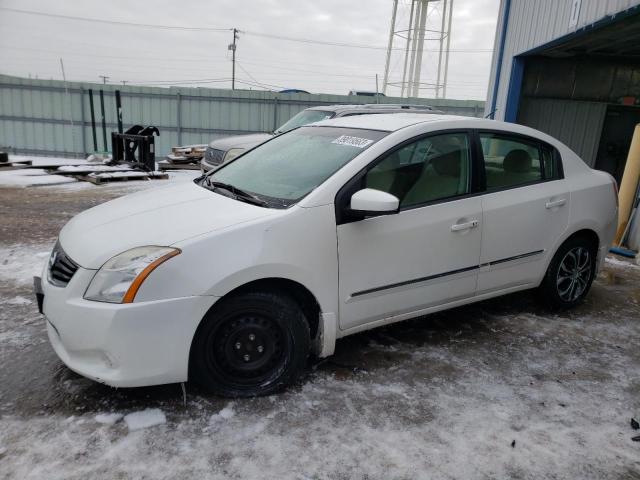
<point x="33" y="44"/>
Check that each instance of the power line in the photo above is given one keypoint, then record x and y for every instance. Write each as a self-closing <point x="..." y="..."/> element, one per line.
<point x="212" y="29"/>
<point x="113" y="22"/>
<point x="248" y="74"/>
<point x="354" y="45"/>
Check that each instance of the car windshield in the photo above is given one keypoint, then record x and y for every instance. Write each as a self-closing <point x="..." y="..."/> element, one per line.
<point x="305" y="117"/>
<point x="283" y="170"/>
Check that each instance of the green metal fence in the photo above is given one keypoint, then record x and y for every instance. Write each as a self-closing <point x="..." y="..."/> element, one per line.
<point x="49" y="117"/>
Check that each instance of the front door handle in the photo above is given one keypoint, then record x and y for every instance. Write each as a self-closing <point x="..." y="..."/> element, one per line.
<point x="464" y="226"/>
<point x="555" y="203"/>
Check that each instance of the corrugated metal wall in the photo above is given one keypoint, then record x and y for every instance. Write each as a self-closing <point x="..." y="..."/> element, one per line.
<point x="577" y="124"/>
<point x="36" y="115"/>
<point x="533" y="23"/>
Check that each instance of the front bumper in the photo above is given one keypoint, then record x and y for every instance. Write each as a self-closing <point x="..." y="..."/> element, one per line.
<point x="207" y="167"/>
<point x="122" y="345"/>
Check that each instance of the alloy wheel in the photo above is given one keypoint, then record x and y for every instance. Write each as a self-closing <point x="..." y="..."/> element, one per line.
<point x="574" y="274"/>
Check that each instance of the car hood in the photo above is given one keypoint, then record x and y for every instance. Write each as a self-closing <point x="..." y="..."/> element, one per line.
<point x="160" y="216"/>
<point x="240" y="141"/>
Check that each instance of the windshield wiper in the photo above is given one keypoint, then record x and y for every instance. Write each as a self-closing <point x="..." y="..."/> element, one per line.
<point x="239" y="193"/>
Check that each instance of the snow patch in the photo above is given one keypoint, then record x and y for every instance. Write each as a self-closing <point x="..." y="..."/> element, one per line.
<point x="46" y="161"/>
<point x="93" y="168"/>
<point x="225" y="414"/>
<point x="31" y="177"/>
<point x="20" y="263"/>
<point x="145" y="419"/>
<point x="620" y="263"/>
<point x="108" y="418"/>
<point x="18" y="301"/>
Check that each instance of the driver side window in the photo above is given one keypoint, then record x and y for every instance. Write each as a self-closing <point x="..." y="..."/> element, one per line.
<point x="429" y="169"/>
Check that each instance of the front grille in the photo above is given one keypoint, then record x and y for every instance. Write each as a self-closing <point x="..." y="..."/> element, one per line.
<point x="61" y="267"/>
<point x="213" y="156"/>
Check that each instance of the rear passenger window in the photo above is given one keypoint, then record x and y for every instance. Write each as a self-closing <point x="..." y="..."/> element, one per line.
<point x="511" y="161"/>
<point x="427" y="170"/>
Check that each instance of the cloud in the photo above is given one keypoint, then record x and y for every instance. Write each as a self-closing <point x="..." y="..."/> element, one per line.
<point x="33" y="44"/>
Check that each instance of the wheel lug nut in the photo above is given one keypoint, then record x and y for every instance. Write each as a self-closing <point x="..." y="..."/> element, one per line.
<point x="260" y="349"/>
<point x="252" y="337"/>
<point x="238" y="345"/>
<point x="246" y="358"/>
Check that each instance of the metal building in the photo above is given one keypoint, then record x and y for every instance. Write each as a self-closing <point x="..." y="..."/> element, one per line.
<point x="570" y="68"/>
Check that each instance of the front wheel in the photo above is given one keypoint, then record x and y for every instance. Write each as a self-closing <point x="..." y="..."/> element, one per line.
<point x="251" y="344"/>
<point x="570" y="274"/>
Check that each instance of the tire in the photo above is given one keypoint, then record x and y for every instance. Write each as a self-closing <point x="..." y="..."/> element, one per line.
<point x="250" y="344"/>
<point x="570" y="274"/>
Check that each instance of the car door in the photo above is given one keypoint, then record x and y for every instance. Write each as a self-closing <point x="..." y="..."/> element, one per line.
<point x="426" y="254"/>
<point x="525" y="209"/>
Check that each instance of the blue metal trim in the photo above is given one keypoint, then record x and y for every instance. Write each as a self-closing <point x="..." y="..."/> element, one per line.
<point x="503" y="38"/>
<point x="515" y="87"/>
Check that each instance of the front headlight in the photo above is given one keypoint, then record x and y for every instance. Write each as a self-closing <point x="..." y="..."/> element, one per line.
<point x="232" y="153"/>
<point x="119" y="279"/>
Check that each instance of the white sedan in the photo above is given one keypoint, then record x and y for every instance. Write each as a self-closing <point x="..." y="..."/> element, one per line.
<point x="234" y="279"/>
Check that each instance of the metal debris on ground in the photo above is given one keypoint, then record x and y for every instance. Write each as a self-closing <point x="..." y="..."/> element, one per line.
<point x="105" y="177"/>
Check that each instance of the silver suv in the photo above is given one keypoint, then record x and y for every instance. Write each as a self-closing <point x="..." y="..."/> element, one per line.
<point x="225" y="149"/>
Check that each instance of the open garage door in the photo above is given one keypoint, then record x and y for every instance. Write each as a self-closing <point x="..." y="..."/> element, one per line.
<point x="584" y="89"/>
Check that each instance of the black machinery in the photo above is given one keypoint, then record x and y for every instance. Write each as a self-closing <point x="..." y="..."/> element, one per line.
<point x="135" y="147"/>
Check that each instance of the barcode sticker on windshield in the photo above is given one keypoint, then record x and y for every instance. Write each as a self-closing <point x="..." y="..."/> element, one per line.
<point x="353" y="141"/>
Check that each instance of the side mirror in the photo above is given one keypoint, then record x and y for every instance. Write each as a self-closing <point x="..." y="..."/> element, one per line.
<point x="373" y="202"/>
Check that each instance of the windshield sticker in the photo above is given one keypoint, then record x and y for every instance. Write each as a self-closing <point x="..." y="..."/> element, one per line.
<point x="353" y="141"/>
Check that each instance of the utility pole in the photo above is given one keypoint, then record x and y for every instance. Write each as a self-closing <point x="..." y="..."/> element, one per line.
<point x="104" y="78"/>
<point x="124" y="82"/>
<point x="232" y="47"/>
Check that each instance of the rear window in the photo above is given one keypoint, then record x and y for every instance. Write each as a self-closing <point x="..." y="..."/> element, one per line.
<point x="305" y="117"/>
<point x="511" y="160"/>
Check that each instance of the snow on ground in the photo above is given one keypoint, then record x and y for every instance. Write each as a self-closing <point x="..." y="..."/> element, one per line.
<point x="35" y="177"/>
<point x="38" y="161"/>
<point x="92" y="168"/>
<point x="145" y="419"/>
<point x="20" y="263"/>
<point x="538" y="396"/>
<point x="503" y="389"/>
<point x="31" y="177"/>
<point x="616" y="262"/>
<point x="108" y="418"/>
<point x="351" y="429"/>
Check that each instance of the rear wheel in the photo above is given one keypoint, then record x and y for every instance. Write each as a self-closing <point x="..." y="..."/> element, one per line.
<point x="570" y="273"/>
<point x="251" y="344"/>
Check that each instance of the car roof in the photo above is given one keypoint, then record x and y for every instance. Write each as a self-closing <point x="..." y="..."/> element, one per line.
<point x="395" y="121"/>
<point x="388" y="123"/>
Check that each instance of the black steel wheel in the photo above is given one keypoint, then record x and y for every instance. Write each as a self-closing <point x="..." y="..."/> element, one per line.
<point x="570" y="273"/>
<point x="251" y="344"/>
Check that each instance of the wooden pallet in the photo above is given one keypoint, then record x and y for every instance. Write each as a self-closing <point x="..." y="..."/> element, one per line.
<point x="6" y="166"/>
<point x="88" y="170"/>
<point x="103" y="178"/>
<point x="163" y="166"/>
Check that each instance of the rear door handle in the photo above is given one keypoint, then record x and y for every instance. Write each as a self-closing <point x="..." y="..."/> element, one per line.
<point x="464" y="226"/>
<point x="555" y="203"/>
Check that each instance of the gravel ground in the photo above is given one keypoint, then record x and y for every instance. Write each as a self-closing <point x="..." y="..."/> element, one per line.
<point x="500" y="389"/>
